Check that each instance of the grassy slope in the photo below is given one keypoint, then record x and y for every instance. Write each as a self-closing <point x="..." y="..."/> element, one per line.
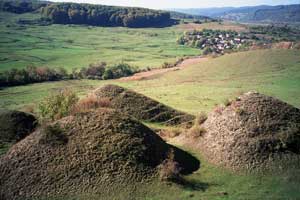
<point x="77" y="46"/>
<point x="196" y="88"/>
<point x="200" y="87"/>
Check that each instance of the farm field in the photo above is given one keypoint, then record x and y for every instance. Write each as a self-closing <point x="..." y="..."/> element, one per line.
<point x="77" y="46"/>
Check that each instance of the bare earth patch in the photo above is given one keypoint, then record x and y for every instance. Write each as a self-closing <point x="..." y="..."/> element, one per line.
<point x="152" y="73"/>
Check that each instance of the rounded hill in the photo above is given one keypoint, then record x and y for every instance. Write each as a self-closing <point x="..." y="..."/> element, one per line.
<point x="253" y="132"/>
<point x="142" y="107"/>
<point x="15" y="125"/>
<point x="89" y="152"/>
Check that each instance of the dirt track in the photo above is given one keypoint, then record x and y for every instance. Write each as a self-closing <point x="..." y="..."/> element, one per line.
<point x="151" y="73"/>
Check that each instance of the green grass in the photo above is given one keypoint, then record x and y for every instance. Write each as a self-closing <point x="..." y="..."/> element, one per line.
<point x="196" y="88"/>
<point x="4" y="146"/>
<point x="202" y="86"/>
<point x="76" y="46"/>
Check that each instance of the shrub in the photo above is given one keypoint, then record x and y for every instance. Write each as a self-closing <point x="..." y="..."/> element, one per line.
<point x="239" y="111"/>
<point x="170" y="133"/>
<point x="167" y="65"/>
<point x="94" y="71"/>
<point x="201" y="118"/>
<point x="197" y="131"/>
<point x="29" y="108"/>
<point x="227" y="102"/>
<point x="91" y="102"/>
<point x="180" y="40"/>
<point x="169" y="170"/>
<point x="53" y="135"/>
<point x="219" y="109"/>
<point x="31" y="74"/>
<point x="207" y="50"/>
<point x="118" y="71"/>
<point x="58" y="104"/>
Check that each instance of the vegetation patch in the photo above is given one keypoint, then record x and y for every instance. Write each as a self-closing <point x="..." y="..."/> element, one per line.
<point x="142" y="107"/>
<point x="53" y="135"/>
<point x="58" y="104"/>
<point x="31" y="74"/>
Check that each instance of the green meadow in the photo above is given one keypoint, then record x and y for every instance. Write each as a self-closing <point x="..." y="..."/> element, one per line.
<point x="76" y="46"/>
<point x="196" y="88"/>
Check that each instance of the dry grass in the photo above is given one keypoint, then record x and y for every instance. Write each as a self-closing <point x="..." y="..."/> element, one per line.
<point x="91" y="102"/>
<point x="169" y="133"/>
<point x="197" y="131"/>
<point x="30" y="108"/>
<point x="201" y="118"/>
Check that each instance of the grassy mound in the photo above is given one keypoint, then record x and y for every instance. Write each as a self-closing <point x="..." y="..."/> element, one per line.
<point x="142" y="107"/>
<point x="253" y="132"/>
<point x="15" y="125"/>
<point x="84" y="154"/>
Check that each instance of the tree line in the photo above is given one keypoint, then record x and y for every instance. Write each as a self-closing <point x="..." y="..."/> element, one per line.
<point x="32" y="74"/>
<point x="99" y="15"/>
<point x="21" y="6"/>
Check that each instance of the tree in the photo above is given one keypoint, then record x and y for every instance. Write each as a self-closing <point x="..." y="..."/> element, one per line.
<point x="58" y="104"/>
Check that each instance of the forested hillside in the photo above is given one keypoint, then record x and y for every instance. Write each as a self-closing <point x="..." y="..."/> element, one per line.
<point x="21" y="6"/>
<point x="98" y="15"/>
<point x="290" y="13"/>
<point x="72" y="13"/>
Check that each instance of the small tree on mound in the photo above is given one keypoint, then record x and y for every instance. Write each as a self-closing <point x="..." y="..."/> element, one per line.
<point x="58" y="104"/>
<point x="169" y="170"/>
<point x="53" y="135"/>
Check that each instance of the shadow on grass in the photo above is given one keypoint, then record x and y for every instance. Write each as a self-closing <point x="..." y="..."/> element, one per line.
<point x="194" y="185"/>
<point x="187" y="162"/>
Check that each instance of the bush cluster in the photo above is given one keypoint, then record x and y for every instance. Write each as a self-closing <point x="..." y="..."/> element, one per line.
<point x="21" y="6"/>
<point x="97" y="71"/>
<point x="31" y="74"/>
<point x="277" y="32"/>
<point x="58" y="104"/>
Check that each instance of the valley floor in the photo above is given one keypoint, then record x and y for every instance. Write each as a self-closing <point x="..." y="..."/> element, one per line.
<point x="196" y="88"/>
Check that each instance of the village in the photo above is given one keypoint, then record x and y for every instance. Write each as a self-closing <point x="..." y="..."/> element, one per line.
<point x="214" y="41"/>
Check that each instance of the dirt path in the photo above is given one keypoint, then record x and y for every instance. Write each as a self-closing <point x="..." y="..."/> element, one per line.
<point x="154" y="72"/>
